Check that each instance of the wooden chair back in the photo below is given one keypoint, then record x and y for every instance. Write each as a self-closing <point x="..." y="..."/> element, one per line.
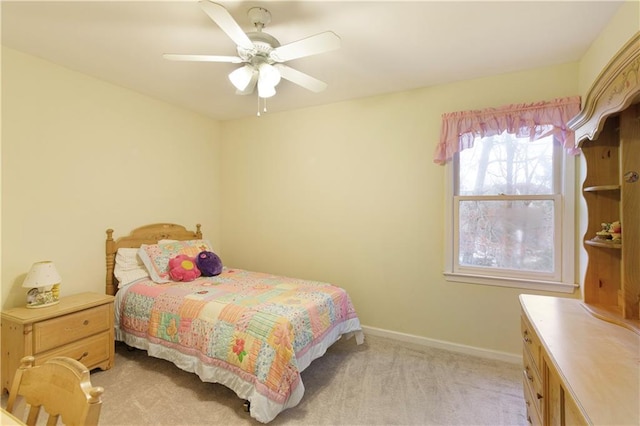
<point x="61" y="386"/>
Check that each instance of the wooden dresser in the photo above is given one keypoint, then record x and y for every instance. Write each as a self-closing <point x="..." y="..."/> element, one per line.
<point x="80" y="327"/>
<point x="582" y="357"/>
<point x="578" y="369"/>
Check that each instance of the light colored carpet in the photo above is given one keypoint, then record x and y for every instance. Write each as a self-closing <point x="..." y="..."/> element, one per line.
<point x="382" y="382"/>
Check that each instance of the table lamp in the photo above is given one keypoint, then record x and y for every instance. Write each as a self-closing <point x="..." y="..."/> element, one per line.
<point x="44" y="281"/>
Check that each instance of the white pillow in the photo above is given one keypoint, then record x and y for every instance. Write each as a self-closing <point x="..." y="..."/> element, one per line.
<point x="129" y="266"/>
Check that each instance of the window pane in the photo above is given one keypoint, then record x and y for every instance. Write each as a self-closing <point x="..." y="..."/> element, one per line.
<point x="505" y="164"/>
<point x="511" y="234"/>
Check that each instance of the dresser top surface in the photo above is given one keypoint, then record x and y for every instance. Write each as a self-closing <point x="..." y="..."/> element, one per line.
<point x="598" y="361"/>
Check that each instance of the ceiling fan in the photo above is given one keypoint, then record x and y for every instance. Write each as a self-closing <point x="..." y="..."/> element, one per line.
<point x="261" y="53"/>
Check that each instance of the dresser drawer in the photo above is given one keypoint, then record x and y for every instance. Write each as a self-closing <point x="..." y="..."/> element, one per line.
<point x="91" y="351"/>
<point x="534" y="415"/>
<point x="533" y="381"/>
<point x="56" y="332"/>
<point x="531" y="342"/>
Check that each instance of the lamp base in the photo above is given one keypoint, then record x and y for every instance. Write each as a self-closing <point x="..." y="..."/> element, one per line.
<point x="42" y="305"/>
<point x="40" y="298"/>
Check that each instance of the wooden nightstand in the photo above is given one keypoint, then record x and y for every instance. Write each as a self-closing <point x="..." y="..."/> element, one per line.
<point x="80" y="327"/>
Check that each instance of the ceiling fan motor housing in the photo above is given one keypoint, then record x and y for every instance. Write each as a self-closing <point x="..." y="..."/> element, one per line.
<point x="263" y="45"/>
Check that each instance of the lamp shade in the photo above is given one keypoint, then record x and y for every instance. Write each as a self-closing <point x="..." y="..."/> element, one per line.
<point x="241" y="77"/>
<point x="42" y="274"/>
<point x="267" y="80"/>
<point x="269" y="74"/>
<point x="265" y="90"/>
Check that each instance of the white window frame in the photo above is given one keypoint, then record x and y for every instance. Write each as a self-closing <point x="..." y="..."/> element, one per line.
<point x="563" y="282"/>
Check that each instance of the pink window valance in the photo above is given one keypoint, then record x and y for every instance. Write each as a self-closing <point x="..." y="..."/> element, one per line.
<point x="535" y="120"/>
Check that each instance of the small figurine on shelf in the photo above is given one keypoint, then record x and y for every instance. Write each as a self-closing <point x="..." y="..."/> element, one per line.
<point x="604" y="233"/>
<point x="611" y="231"/>
<point x="615" y="228"/>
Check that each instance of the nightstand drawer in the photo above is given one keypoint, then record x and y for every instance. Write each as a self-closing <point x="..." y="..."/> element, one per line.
<point x="69" y="328"/>
<point x="91" y="351"/>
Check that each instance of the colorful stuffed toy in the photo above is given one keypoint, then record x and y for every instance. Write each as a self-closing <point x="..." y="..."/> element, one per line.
<point x="209" y="263"/>
<point x="183" y="268"/>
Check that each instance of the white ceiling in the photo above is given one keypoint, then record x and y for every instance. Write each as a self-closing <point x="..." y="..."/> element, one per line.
<point x="387" y="46"/>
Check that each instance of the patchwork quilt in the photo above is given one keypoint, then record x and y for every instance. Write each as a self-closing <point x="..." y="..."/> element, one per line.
<point x="254" y="326"/>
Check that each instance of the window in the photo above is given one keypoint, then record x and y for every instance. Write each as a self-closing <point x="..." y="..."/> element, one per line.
<point x="510" y="198"/>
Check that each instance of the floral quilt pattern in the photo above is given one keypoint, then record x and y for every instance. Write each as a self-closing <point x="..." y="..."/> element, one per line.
<point x="250" y="323"/>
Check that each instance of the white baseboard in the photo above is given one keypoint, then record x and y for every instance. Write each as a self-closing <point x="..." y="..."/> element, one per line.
<point x="441" y="344"/>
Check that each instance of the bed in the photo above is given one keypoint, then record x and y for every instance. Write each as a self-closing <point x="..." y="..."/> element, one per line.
<point x="252" y="332"/>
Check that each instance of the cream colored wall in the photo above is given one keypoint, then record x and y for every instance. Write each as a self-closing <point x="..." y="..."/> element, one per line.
<point x="79" y="156"/>
<point x="348" y="193"/>
<point x="618" y="31"/>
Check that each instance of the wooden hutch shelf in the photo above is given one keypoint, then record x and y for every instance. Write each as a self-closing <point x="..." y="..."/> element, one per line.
<point x="603" y="243"/>
<point x="601" y="188"/>
<point x="608" y="132"/>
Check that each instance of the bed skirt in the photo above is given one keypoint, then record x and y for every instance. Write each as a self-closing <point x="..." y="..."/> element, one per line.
<point x="262" y="408"/>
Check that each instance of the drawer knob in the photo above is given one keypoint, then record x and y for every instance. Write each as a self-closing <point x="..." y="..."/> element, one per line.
<point x="86" y="322"/>
<point x="82" y="356"/>
<point x="526" y="373"/>
<point x="539" y="396"/>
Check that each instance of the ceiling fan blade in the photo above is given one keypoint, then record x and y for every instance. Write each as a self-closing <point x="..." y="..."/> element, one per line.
<point x="225" y="21"/>
<point x="319" y="43"/>
<point x="203" y="58"/>
<point x="300" y="78"/>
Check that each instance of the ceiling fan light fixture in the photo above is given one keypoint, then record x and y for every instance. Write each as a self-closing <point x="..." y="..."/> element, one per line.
<point x="265" y="90"/>
<point x="241" y="77"/>
<point x="268" y="74"/>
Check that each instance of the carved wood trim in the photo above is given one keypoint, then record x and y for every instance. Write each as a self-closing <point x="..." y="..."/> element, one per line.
<point x="617" y="86"/>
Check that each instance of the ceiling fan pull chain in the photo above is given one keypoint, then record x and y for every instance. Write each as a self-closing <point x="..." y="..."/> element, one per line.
<point x="258" y="106"/>
<point x="264" y="108"/>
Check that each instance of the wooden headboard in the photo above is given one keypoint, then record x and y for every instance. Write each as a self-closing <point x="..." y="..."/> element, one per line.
<point x="148" y="234"/>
